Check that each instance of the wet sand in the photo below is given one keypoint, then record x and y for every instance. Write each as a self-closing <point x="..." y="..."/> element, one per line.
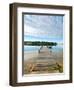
<point x="46" y="61"/>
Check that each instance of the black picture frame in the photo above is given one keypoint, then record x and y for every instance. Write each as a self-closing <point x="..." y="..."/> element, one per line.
<point x="13" y="43"/>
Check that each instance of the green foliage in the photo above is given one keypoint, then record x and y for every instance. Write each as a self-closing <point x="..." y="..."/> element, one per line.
<point x="56" y="67"/>
<point x="59" y="68"/>
<point x="37" y="43"/>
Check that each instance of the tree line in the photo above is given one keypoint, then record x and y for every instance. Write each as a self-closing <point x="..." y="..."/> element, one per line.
<point x="39" y="43"/>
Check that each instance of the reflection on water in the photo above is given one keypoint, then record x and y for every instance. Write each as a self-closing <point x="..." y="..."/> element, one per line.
<point x="56" y="49"/>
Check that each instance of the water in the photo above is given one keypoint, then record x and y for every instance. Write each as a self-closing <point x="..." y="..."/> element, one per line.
<point x="43" y="62"/>
<point x="57" y="48"/>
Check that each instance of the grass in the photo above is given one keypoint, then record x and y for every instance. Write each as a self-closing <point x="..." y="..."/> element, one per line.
<point x="33" y="68"/>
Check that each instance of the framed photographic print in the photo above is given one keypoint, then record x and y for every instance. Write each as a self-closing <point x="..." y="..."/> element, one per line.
<point x="40" y="44"/>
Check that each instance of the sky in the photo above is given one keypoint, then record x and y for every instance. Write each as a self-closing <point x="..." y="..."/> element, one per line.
<point x="43" y="28"/>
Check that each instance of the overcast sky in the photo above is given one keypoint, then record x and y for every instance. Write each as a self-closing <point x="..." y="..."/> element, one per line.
<point x="43" y="28"/>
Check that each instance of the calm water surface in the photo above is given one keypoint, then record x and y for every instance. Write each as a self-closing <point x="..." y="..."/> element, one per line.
<point x="57" y="48"/>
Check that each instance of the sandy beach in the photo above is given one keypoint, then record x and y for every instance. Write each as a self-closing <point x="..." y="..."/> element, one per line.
<point x="47" y="61"/>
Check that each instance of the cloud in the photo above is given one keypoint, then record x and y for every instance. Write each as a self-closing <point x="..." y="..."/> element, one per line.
<point x="49" y="27"/>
